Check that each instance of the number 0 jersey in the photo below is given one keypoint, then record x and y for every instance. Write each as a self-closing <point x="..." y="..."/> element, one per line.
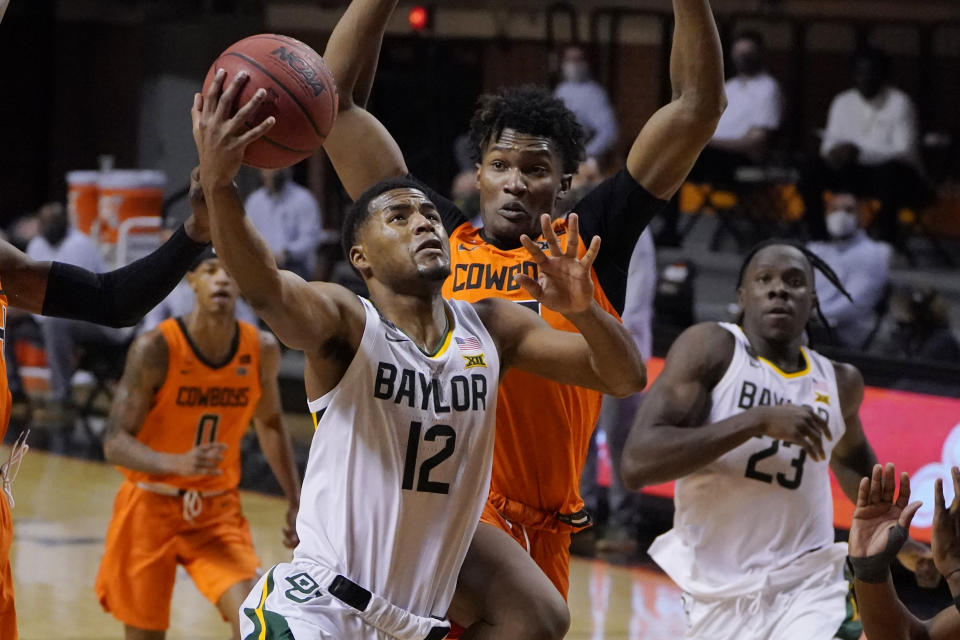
<point x="758" y="508"/>
<point x="202" y="401"/>
<point x="399" y="466"/>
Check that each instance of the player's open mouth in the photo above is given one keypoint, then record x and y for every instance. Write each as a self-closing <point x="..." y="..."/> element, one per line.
<point x="514" y="211"/>
<point x="432" y="243"/>
<point x="220" y="295"/>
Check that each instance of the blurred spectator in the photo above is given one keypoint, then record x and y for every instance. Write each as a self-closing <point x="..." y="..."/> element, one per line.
<point x="753" y="114"/>
<point x="746" y="128"/>
<point x="288" y="217"/>
<point x="921" y="326"/>
<point x="863" y="266"/>
<point x="871" y="143"/>
<point x="588" y="101"/>
<point x="61" y="242"/>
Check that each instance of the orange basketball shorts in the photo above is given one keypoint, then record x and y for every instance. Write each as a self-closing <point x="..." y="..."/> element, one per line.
<point x="8" y="615"/>
<point x="549" y="549"/>
<point x="148" y="537"/>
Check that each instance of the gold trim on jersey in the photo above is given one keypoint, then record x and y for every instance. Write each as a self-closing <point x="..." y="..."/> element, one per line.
<point x="795" y="374"/>
<point x="443" y="347"/>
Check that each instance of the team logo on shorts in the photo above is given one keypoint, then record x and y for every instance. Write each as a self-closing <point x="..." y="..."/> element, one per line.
<point x="303" y="588"/>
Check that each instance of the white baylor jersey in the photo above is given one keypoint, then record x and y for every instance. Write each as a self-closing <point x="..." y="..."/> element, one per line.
<point x="399" y="466"/>
<point x="743" y="521"/>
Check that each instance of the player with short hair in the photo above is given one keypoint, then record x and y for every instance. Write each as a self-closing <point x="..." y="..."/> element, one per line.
<point x="403" y="389"/>
<point x="528" y="146"/>
<point x="880" y="527"/>
<point x="749" y="421"/>
<point x="188" y="393"/>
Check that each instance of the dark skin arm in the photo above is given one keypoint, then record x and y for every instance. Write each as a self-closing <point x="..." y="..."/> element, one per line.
<point x="669" y="438"/>
<point x="144" y="374"/>
<point x="660" y="159"/>
<point x="853" y="459"/>
<point x="884" y="616"/>
<point x="602" y="356"/>
<point x="273" y="435"/>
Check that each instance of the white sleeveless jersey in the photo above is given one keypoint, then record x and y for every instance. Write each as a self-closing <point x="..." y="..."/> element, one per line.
<point x="399" y="466"/>
<point x="742" y="521"/>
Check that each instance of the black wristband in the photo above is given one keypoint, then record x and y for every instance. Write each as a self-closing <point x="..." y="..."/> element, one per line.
<point x="876" y="568"/>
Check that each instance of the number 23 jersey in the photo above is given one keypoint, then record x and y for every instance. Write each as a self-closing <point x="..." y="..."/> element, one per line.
<point x="399" y="466"/>
<point x="762" y="505"/>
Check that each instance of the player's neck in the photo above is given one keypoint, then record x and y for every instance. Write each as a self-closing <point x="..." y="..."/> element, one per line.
<point x="787" y="356"/>
<point x="211" y="334"/>
<point x="423" y="319"/>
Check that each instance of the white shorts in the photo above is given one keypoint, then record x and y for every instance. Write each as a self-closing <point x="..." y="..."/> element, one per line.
<point x="298" y="602"/>
<point x="814" y="609"/>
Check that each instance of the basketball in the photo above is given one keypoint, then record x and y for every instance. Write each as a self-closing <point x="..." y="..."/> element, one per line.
<point x="301" y="95"/>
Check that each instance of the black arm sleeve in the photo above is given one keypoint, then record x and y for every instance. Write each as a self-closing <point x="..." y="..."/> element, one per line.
<point x="121" y="297"/>
<point x="450" y="213"/>
<point x="618" y="211"/>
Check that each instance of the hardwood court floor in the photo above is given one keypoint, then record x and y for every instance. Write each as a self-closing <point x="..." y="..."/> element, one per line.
<point x="62" y="509"/>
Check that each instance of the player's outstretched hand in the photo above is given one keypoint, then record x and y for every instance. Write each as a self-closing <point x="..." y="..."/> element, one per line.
<point x="290" y="537"/>
<point x="221" y="139"/>
<point x="564" y="282"/>
<point x="797" y="424"/>
<point x="877" y="513"/>
<point x="197" y="225"/>
<point x="946" y="528"/>
<point x="202" y="460"/>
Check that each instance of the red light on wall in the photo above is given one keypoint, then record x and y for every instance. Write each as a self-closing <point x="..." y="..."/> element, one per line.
<point x="419" y="18"/>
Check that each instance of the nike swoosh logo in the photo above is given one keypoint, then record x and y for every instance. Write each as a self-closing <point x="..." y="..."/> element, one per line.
<point x="464" y="247"/>
<point x="390" y="339"/>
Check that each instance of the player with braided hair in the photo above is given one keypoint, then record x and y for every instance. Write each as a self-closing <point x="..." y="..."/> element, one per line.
<point x="749" y="421"/>
<point x="815" y="261"/>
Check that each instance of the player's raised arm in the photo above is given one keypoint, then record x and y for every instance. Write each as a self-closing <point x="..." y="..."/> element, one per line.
<point x="304" y="315"/>
<point x="361" y="149"/>
<point x="602" y="356"/>
<point x="669" y="438"/>
<point x="143" y="374"/>
<point x="879" y="529"/>
<point x="670" y="142"/>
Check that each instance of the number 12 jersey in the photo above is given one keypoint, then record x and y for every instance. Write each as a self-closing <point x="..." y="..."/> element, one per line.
<point x="399" y="465"/>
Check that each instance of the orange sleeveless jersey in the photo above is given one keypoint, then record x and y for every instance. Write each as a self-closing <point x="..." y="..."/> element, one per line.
<point x="543" y="428"/>
<point x="201" y="403"/>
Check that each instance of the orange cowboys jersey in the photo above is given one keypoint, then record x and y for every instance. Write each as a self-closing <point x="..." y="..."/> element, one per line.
<point x="202" y="402"/>
<point x="543" y="428"/>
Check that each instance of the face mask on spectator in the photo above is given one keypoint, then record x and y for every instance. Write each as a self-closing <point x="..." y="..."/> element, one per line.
<point x="842" y="223"/>
<point x="574" y="71"/>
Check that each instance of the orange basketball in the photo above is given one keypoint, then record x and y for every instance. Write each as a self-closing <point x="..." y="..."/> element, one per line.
<point x="301" y="95"/>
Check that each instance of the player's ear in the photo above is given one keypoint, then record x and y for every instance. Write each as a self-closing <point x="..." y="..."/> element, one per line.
<point x="740" y="297"/>
<point x="359" y="260"/>
<point x="476" y="166"/>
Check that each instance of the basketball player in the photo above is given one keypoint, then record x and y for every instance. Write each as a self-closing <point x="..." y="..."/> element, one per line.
<point x="117" y="298"/>
<point x="751" y="421"/>
<point x="188" y="393"/>
<point x="402" y="389"/>
<point x="879" y="530"/>
<point x="528" y="146"/>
